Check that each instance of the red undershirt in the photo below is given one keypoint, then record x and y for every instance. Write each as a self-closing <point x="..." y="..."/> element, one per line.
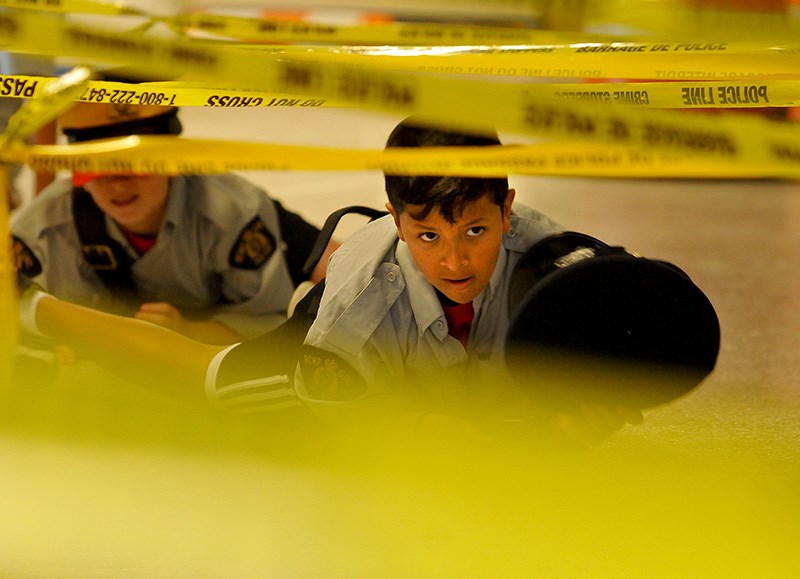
<point x="141" y="243"/>
<point x="459" y="318"/>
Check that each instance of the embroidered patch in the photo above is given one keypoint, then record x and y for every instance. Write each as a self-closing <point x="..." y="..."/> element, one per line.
<point x="99" y="257"/>
<point x="328" y="377"/>
<point x="24" y="259"/>
<point x="254" y="246"/>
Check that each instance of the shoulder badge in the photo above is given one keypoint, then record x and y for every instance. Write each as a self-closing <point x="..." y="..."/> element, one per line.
<point x="254" y="246"/>
<point x="24" y="259"/>
<point x="328" y="377"/>
<point x="99" y="257"/>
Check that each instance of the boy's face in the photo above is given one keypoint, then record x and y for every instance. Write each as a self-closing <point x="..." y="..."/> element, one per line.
<point x="137" y="203"/>
<point x="457" y="258"/>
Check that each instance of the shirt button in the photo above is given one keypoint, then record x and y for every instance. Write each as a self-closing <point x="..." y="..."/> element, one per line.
<point x="439" y="324"/>
<point x="391" y="276"/>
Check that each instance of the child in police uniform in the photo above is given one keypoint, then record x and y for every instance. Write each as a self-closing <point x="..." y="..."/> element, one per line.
<point x="415" y="312"/>
<point x="410" y="328"/>
<point x="210" y="256"/>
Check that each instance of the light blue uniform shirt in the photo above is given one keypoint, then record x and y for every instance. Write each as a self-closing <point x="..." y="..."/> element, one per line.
<point x="189" y="266"/>
<point x="382" y="317"/>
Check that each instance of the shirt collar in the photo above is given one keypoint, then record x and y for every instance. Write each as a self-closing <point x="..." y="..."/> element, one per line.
<point x="421" y="294"/>
<point x="177" y="200"/>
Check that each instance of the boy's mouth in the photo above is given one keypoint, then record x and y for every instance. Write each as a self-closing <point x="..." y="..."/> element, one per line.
<point x="123" y="202"/>
<point x="459" y="283"/>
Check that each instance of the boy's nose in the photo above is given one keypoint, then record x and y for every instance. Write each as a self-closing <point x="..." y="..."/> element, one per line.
<point x="454" y="257"/>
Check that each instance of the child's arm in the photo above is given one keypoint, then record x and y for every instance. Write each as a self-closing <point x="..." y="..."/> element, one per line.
<point x="150" y="355"/>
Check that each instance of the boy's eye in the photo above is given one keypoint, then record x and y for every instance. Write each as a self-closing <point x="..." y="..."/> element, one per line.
<point x="475" y="231"/>
<point x="428" y="236"/>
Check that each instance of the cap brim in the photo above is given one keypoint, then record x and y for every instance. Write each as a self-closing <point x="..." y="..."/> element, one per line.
<point x="81" y="179"/>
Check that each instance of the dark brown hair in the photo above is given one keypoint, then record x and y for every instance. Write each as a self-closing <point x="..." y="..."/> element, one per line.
<point x="449" y="194"/>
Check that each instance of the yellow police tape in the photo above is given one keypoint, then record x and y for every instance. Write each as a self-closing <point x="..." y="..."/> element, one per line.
<point x="667" y="19"/>
<point x="628" y="60"/>
<point x="8" y="284"/>
<point x="671" y="95"/>
<point x="270" y="30"/>
<point x="54" y="98"/>
<point x="179" y="94"/>
<point x="151" y="154"/>
<point x="451" y="100"/>
<point x="72" y="6"/>
<point x="462" y="101"/>
<point x="660" y="20"/>
<point x="590" y="60"/>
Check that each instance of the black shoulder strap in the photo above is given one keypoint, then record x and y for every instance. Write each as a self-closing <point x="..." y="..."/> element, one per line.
<point x="326" y="233"/>
<point x="103" y="254"/>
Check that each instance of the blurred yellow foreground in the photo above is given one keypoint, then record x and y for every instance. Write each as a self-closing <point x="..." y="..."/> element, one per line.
<point x="103" y="479"/>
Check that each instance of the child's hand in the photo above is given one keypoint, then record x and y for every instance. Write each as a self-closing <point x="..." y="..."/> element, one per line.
<point x="163" y="314"/>
<point x="168" y="316"/>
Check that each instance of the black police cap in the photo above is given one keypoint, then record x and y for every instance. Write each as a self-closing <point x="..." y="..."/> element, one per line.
<point x="594" y="323"/>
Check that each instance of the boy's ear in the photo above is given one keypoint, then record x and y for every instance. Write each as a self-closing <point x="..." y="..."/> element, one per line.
<point x="507" y="210"/>
<point x="390" y="208"/>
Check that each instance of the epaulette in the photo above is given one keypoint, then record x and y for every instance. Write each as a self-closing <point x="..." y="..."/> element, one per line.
<point x="254" y="246"/>
<point x="25" y="261"/>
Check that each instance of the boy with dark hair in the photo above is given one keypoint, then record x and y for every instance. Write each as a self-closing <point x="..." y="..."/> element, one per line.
<point x="415" y="311"/>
